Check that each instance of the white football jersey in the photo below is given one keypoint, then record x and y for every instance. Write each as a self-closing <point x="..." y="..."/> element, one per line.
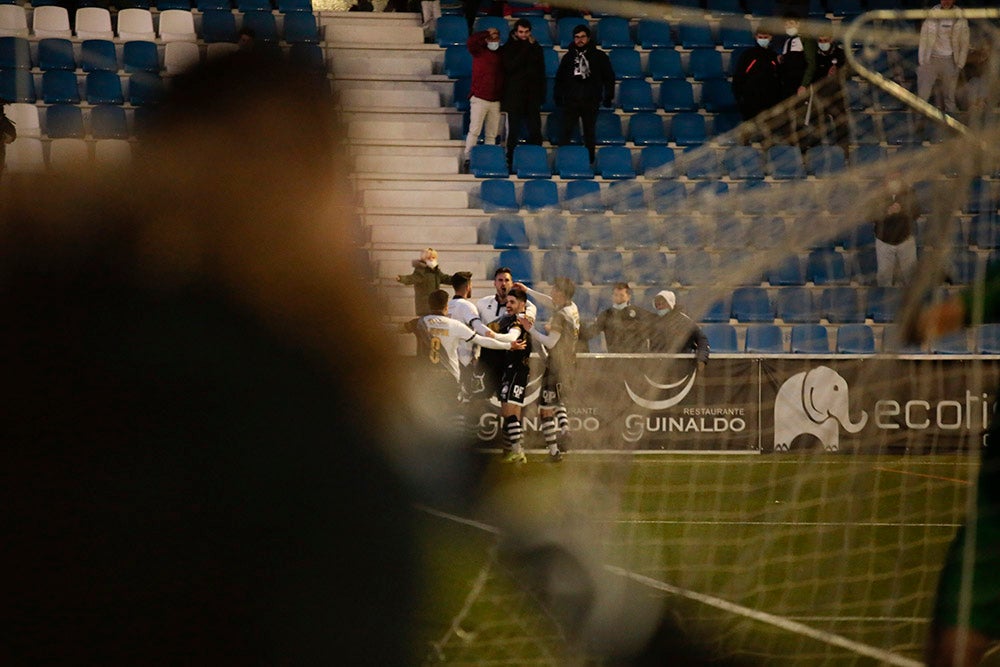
<point x="445" y="335"/>
<point x="465" y="312"/>
<point x="491" y="310"/>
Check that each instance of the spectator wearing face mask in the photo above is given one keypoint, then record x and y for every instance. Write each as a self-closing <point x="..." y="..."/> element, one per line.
<point x="894" y="215"/>
<point x="426" y="277"/>
<point x="830" y="99"/>
<point x="756" y="85"/>
<point x="796" y="60"/>
<point x="673" y="332"/>
<point x="486" y="90"/>
<point x="623" y="324"/>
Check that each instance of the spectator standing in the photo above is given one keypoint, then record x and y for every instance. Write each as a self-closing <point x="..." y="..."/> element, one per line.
<point x="756" y="84"/>
<point x="426" y="277"/>
<point x="797" y="60"/>
<point x="830" y="99"/>
<point x="894" y="215"/>
<point x="584" y="81"/>
<point x="486" y="89"/>
<point x="943" y="50"/>
<point x="524" y="85"/>
<point x="623" y="325"/>
<point x="671" y="331"/>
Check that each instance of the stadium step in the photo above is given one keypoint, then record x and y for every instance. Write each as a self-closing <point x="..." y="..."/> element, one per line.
<point x="405" y="164"/>
<point x="373" y="33"/>
<point x="429" y="199"/>
<point x="398" y="129"/>
<point x="434" y="235"/>
<point x="383" y="66"/>
<point x="371" y="98"/>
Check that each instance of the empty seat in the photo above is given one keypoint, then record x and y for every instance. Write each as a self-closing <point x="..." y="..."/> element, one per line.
<point x="608" y="129"/>
<point x="497" y="195"/>
<point x="64" y="121"/>
<point x="551" y="229"/>
<point x="554" y="129"/>
<point x="604" y="267"/>
<point x="140" y="56"/>
<point x="795" y="305"/>
<point x="180" y="56"/>
<point x="309" y="56"/>
<point x="253" y="6"/>
<point x="721" y="337"/>
<point x="13" y="21"/>
<point x="855" y="339"/>
<point x="98" y="55"/>
<point x="635" y="95"/>
<point x="785" y="162"/>
<point x="450" y="30"/>
<point x="108" y="122"/>
<point x="657" y="162"/>
<point x="520" y="263"/>
<point x="144" y="88"/>
<point x="825" y="160"/>
<point x="136" y="24"/>
<point x="953" y="343"/>
<point x="17" y="85"/>
<point x="557" y="263"/>
<point x="646" y="128"/>
<point x="68" y="154"/>
<point x="694" y="267"/>
<point x="15" y="53"/>
<point x="460" y="93"/>
<point x="263" y="23"/>
<point x="736" y="33"/>
<point x="664" y="64"/>
<point x="511" y="233"/>
<point x="613" y="33"/>
<point x="677" y="95"/>
<point x="883" y="304"/>
<point x="457" y="62"/>
<point x="705" y="64"/>
<point x="25" y="117"/>
<point x="583" y="196"/>
<point x="531" y="161"/>
<point x="840" y="304"/>
<point x="764" y="339"/>
<point x="104" y="87"/>
<point x="688" y="129"/>
<point x="176" y="25"/>
<point x="487" y="161"/>
<point x="717" y="97"/>
<point x="752" y="304"/>
<point x="218" y="25"/>
<point x="56" y="53"/>
<point x="60" y="87"/>
<point x="810" y="339"/>
<point x="649" y="267"/>
<point x="988" y="338"/>
<point x="614" y="162"/>
<point x="50" y="21"/>
<point x="573" y="162"/>
<point x="301" y="27"/>
<point x="743" y="162"/>
<point x="540" y="194"/>
<point x="653" y="34"/>
<point x="787" y="272"/>
<point x="826" y="266"/>
<point x="667" y="195"/>
<point x="625" y="196"/>
<point x="695" y="35"/>
<point x="593" y="231"/>
<point x="93" y="23"/>
<point x="626" y="63"/>
<point x="203" y="5"/>
<point x="701" y="164"/>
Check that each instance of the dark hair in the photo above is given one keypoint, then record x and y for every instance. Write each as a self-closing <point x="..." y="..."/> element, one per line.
<point x="566" y="286"/>
<point x="460" y="279"/>
<point x="437" y="299"/>
<point x="522" y="23"/>
<point x="518" y="294"/>
<point x="624" y="286"/>
<point x="503" y="269"/>
<point x="581" y="28"/>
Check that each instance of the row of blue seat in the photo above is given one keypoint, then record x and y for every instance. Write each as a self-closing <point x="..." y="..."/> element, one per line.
<point x="100" y="87"/>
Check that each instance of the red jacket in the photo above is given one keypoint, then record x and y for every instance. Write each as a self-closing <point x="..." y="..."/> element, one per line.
<point x="487" y="72"/>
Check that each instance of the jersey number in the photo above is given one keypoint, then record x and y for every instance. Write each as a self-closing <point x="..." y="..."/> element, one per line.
<point x="435" y="355"/>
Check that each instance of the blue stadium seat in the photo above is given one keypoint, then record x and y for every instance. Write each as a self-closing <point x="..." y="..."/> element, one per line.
<point x="499" y="23"/>
<point x="721" y="337"/>
<point x="144" y="88"/>
<point x="664" y="64"/>
<point x="264" y="25"/>
<point x="984" y="231"/>
<point x="723" y="7"/>
<point x="254" y="5"/>
<point x="649" y="267"/>
<point x="677" y="95"/>
<point x="646" y="128"/>
<point x="688" y="129"/>
<point x="510" y="233"/>
<point x="15" y="53"/>
<point x="717" y="97"/>
<point x="761" y="8"/>
<point x="810" y="339"/>
<point x="460" y="93"/>
<point x="710" y="188"/>
<point x="104" y="87"/>
<point x="551" y="230"/>
<point x="107" y="121"/>
<point x="486" y="231"/>
<point x="743" y="162"/>
<point x="564" y="29"/>
<point x="857" y="338"/>
<point x="736" y="32"/>
<point x="965" y="266"/>
<point x="59" y="87"/>
<point x="488" y="161"/>
<point x="764" y="339"/>
<point x="203" y="5"/>
<point x="636" y="230"/>
<point x="863" y="154"/>
<point x="308" y="56"/>
<point x="899" y="128"/>
<point x="982" y="197"/>
<point x="987" y="337"/>
<point x="786" y="273"/>
<point x="694" y="267"/>
<point x="768" y="231"/>
<point x="540" y="194"/>
<point x="64" y="121"/>
<point x="795" y="305"/>
<point x="883" y="304"/>
<point x="684" y="232"/>
<point x="752" y="304"/>
<point x="554" y="128"/>
<point x="653" y="34"/>
<point x="614" y="162"/>
<point x="701" y="163"/>
<point x="667" y="195"/>
<point x="656" y="161"/>
<point x="625" y="196"/>
<point x="218" y="25"/>
<point x="613" y="33"/>
<point x="573" y="162"/>
<point x="583" y="196"/>
<point x="825" y="160"/>
<point x="551" y="61"/>
<point x="705" y="64"/>
<point x="605" y="267"/>
<point x="593" y="231"/>
<point x="723" y="125"/>
<point x="953" y="343"/>
<point x="702" y="305"/>
<point x="531" y="161"/>
<point x="608" y="129"/>
<point x="635" y="95"/>
<point x="732" y="235"/>
<point x="449" y="30"/>
<point x="497" y="195"/>
<point x="301" y="27"/>
<point x="840" y="304"/>
<point x="693" y="36"/>
<point x="519" y="261"/>
<point x="540" y="30"/>
<point x="785" y="162"/>
<point x="457" y="62"/>
<point x="626" y="64"/>
<point x="891" y="341"/>
<point x="140" y="56"/>
<point x="55" y="53"/>
<point x="98" y="54"/>
<point x="558" y="263"/>
<point x="826" y="266"/>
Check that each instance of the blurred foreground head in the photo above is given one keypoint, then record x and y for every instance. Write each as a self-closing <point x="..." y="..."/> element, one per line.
<point x="192" y="432"/>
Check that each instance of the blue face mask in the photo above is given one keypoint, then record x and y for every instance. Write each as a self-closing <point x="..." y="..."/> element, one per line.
<point x="492" y="46"/>
<point x="763" y="43"/>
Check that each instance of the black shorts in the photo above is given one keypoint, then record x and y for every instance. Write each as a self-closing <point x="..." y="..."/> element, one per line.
<point x="514" y="383"/>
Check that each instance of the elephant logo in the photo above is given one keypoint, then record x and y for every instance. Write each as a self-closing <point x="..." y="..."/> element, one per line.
<point x="684" y="383"/>
<point x="814" y="402"/>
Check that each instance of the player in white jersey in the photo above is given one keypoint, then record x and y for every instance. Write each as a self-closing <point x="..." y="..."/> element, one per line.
<point x="492" y="308"/>
<point x="560" y="367"/>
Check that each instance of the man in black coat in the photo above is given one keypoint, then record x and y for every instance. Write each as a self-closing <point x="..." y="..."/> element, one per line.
<point x="524" y="86"/>
<point x="673" y="332"/>
<point x="584" y="80"/>
<point x="756" y="85"/>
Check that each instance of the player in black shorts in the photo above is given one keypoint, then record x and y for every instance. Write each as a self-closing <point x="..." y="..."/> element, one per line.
<point x="514" y="378"/>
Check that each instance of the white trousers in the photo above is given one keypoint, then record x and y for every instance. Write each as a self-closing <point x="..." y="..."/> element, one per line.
<point x="943" y="70"/>
<point x="482" y="113"/>
<point x="899" y="259"/>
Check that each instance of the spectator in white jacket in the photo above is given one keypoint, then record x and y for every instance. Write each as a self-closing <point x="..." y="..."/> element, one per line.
<point x="944" y="47"/>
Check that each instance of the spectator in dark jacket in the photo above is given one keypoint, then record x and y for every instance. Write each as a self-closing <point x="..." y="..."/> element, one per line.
<point x="756" y="86"/>
<point x="584" y="80"/>
<point x="831" y="99"/>
<point x="524" y="85"/>
<point x="623" y="324"/>
<point x="486" y="89"/>
<point x="672" y="331"/>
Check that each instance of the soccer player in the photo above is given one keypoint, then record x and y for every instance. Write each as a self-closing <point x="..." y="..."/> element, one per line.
<point x="560" y="343"/>
<point x="514" y="379"/>
<point x="491" y="309"/>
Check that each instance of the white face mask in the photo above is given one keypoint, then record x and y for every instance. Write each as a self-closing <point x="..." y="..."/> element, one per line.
<point x="763" y="43"/>
<point x="663" y="311"/>
<point x="620" y="306"/>
<point x="895" y="186"/>
<point x="824" y="46"/>
<point x="431" y="263"/>
<point x="791" y="32"/>
<point x="492" y="46"/>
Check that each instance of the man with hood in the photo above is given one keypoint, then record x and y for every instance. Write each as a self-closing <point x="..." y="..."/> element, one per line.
<point x="673" y="332"/>
<point x="524" y="86"/>
<point x="584" y="80"/>
<point x="756" y="85"/>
